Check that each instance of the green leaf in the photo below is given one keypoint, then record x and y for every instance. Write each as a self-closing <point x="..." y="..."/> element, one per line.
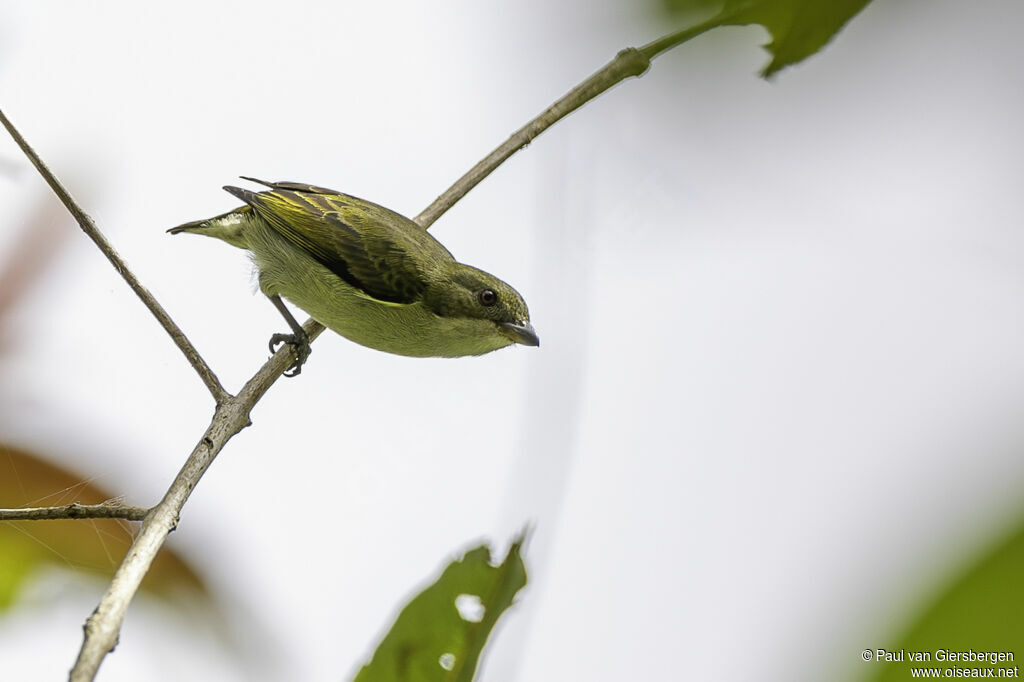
<point x="440" y="634"/>
<point x="982" y="610"/>
<point x="799" y="28"/>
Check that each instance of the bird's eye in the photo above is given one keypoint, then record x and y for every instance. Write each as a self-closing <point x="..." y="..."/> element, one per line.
<point x="487" y="297"/>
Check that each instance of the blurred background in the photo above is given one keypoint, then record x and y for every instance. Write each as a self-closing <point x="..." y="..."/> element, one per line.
<point x="775" y="417"/>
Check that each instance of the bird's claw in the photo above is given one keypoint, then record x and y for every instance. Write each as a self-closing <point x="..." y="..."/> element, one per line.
<point x="300" y="346"/>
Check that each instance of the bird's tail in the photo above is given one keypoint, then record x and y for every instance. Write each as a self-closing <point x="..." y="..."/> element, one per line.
<point x="228" y="227"/>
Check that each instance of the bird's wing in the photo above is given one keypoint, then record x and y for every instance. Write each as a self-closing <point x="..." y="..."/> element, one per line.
<point x="296" y="186"/>
<point x="377" y="251"/>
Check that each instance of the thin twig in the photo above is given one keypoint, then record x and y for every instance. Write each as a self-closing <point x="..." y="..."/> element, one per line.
<point x="93" y="232"/>
<point x="105" y="510"/>
<point x="629" y="62"/>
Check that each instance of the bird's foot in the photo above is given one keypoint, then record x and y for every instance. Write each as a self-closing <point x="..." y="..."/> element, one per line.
<point x="300" y="346"/>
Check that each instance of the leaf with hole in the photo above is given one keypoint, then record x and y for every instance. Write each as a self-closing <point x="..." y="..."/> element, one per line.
<point x="440" y="634"/>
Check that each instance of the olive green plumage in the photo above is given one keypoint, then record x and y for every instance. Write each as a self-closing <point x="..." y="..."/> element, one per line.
<point x="368" y="273"/>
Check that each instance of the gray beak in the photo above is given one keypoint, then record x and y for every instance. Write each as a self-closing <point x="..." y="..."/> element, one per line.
<point x="520" y="333"/>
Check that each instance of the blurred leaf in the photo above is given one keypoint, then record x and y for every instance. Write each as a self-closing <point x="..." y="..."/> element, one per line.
<point x="439" y="635"/>
<point x="983" y="610"/>
<point x="91" y="546"/>
<point x="799" y="28"/>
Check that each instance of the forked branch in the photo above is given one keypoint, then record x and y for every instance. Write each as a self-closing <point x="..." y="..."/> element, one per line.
<point x="232" y="413"/>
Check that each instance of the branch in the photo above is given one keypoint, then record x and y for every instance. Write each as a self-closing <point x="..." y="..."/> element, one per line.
<point x="232" y="413"/>
<point x="231" y="416"/>
<point x="630" y="62"/>
<point x="105" y="510"/>
<point x="93" y="232"/>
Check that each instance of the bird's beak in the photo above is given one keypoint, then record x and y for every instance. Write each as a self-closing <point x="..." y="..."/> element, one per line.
<point x="520" y="333"/>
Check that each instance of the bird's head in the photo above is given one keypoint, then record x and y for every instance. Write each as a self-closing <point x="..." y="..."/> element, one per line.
<point x="482" y="305"/>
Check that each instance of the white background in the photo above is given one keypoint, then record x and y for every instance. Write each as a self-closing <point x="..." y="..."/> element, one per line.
<point x="777" y="398"/>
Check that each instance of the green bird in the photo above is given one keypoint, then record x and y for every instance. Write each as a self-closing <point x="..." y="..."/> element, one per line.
<point x="367" y="273"/>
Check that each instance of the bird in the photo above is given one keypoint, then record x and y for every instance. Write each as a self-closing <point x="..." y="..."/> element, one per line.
<point x="367" y="273"/>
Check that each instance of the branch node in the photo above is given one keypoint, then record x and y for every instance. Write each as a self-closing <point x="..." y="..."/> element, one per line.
<point x="633" y="62"/>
